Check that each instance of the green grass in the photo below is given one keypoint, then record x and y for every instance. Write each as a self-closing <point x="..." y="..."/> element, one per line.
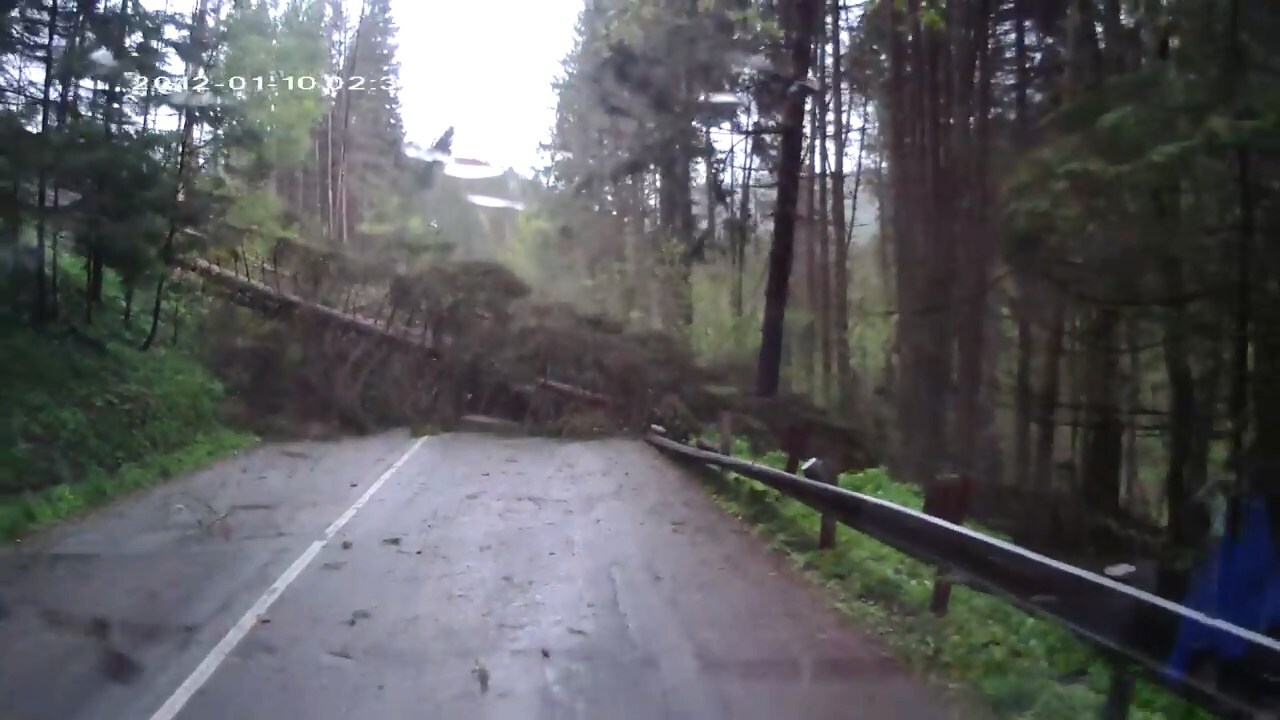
<point x="1009" y="662"/>
<point x="81" y="426"/>
<point x="29" y="511"/>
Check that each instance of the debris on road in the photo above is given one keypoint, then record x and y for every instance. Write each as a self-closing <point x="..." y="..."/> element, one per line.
<point x="120" y="668"/>
<point x="482" y="676"/>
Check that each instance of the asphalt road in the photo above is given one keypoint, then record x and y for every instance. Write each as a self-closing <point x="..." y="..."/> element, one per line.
<point x="462" y="576"/>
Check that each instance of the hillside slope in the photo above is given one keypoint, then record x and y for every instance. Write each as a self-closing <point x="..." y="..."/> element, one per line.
<point x="83" y="421"/>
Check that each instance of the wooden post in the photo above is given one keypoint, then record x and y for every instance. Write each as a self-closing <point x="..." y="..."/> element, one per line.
<point x="795" y="441"/>
<point x="816" y="471"/>
<point x="726" y="433"/>
<point x="1119" y="692"/>
<point x="946" y="498"/>
<point x="1121" y="685"/>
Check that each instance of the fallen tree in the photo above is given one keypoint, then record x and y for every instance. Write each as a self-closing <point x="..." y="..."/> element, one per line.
<point x="477" y="343"/>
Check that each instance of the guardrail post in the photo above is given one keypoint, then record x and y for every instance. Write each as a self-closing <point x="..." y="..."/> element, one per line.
<point x="1101" y="612"/>
<point x="1121" y="685"/>
<point x="946" y="498"/>
<point x="816" y="471"/>
<point x="726" y="433"/>
<point x="1119" y="692"/>
<point x="794" y="441"/>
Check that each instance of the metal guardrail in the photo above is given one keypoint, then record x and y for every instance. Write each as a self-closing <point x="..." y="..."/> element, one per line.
<point x="1117" y="619"/>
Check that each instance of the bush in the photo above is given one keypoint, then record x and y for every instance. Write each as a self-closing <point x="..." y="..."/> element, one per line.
<point x="83" y="421"/>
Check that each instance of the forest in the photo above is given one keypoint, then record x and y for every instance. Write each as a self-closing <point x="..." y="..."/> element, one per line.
<point x="1017" y="240"/>
<point x="1024" y="237"/>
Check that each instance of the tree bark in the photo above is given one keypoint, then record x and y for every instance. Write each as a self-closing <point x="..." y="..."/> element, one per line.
<point x="1100" y="455"/>
<point x="974" y="262"/>
<point x="1135" y="498"/>
<point x="1022" y="305"/>
<point x="821" y="279"/>
<point x="769" y="364"/>
<point x="184" y="162"/>
<point x="41" y="309"/>
<point x="1050" y="384"/>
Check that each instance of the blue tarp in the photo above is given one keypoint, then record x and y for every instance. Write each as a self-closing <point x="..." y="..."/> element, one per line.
<point x="1239" y="583"/>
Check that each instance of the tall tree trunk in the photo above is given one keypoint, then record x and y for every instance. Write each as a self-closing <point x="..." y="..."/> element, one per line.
<point x="900" y="130"/>
<point x="838" y="295"/>
<point x="1133" y="493"/>
<point x="345" y="140"/>
<point x="41" y="309"/>
<point x="1182" y="412"/>
<point x="675" y="210"/>
<point x="1050" y="384"/>
<point x="326" y="189"/>
<point x="805" y="340"/>
<point x="67" y="82"/>
<point x="976" y="249"/>
<point x="1023" y="303"/>
<point x="884" y="258"/>
<point x="1207" y="394"/>
<point x="1023" y="397"/>
<point x="711" y="190"/>
<point x="1245" y="255"/>
<point x="840" y="276"/>
<point x="741" y="230"/>
<point x="1075" y="375"/>
<point x="184" y="161"/>
<point x="820" y="280"/>
<point x="926" y="251"/>
<point x="1101" y="448"/>
<point x="803" y="21"/>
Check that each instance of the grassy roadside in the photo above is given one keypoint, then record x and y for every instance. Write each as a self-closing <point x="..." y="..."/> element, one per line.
<point x="83" y="423"/>
<point x="1015" y="665"/>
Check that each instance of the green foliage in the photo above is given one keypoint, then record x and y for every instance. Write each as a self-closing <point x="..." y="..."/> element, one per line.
<point x="1011" y="662"/>
<point x="254" y="215"/>
<point x="555" y="255"/>
<point x="78" y="426"/>
<point x="22" y="514"/>
<point x="931" y="16"/>
<point x="527" y="251"/>
<point x="275" y="48"/>
<point x="716" y="332"/>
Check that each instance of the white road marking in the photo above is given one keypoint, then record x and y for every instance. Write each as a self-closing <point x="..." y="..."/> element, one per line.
<point x="223" y="649"/>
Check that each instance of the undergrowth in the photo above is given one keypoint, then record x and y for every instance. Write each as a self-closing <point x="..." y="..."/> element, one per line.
<point x="85" y="421"/>
<point x="1016" y="665"/>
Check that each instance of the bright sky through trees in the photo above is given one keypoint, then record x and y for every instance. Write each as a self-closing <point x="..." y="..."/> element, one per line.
<point x="485" y="68"/>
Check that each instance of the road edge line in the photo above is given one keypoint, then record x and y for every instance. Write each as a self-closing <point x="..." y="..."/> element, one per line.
<point x="211" y="662"/>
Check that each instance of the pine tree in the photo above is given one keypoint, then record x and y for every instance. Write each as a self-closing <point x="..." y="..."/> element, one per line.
<point x="372" y="129"/>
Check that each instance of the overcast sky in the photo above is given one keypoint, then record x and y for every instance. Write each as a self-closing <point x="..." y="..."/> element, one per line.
<point x="486" y="68"/>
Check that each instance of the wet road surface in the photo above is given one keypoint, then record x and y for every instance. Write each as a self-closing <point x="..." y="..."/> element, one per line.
<point x="463" y="576"/>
